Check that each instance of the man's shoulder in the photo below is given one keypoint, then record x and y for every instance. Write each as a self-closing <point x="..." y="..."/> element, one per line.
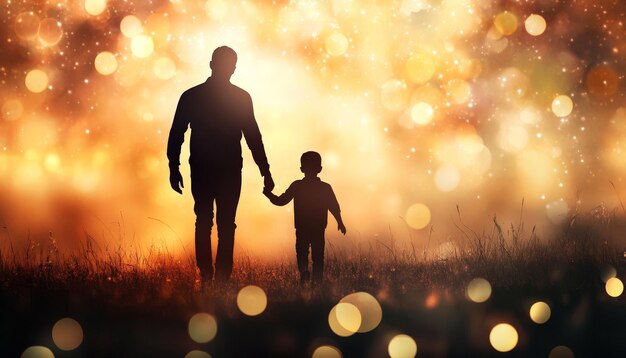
<point x="239" y="91"/>
<point x="192" y="90"/>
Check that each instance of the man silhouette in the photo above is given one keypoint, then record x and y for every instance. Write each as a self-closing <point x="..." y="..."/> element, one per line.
<point x="218" y="113"/>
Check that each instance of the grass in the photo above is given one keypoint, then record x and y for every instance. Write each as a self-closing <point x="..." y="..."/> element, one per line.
<point x="136" y="304"/>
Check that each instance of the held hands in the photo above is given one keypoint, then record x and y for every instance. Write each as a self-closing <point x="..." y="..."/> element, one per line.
<point x="268" y="183"/>
<point x="176" y="180"/>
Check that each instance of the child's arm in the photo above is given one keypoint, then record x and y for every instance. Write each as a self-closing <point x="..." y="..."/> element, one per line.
<point x="336" y="211"/>
<point x="282" y="200"/>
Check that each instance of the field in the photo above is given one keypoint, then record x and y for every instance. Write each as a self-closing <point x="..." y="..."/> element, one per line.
<point x="139" y="305"/>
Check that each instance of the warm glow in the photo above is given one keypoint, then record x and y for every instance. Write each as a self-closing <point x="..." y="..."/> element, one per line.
<point x="202" y="327"/>
<point x="37" y="352"/>
<point x="535" y="24"/>
<point x="540" y="312"/>
<point x="350" y="312"/>
<point x="142" y="46"/>
<point x="164" y="68"/>
<point x="479" y="290"/>
<point x="131" y="26"/>
<point x="67" y="334"/>
<point x="50" y="32"/>
<point x="614" y="287"/>
<point x="251" y="300"/>
<point x="562" y="106"/>
<point x="197" y="354"/>
<point x="95" y="7"/>
<point x="326" y="352"/>
<point x="561" y="352"/>
<point x="503" y="337"/>
<point x="402" y="346"/>
<point x="369" y="310"/>
<point x="422" y="113"/>
<point x="418" y="216"/>
<point x="505" y="23"/>
<point x="36" y="81"/>
<point x="105" y="63"/>
<point x="26" y="25"/>
<point x="336" y="44"/>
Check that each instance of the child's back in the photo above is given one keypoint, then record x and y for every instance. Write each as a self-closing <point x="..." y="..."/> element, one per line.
<point x="313" y="199"/>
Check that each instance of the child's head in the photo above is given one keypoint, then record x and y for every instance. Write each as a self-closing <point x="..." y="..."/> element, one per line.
<point x="311" y="163"/>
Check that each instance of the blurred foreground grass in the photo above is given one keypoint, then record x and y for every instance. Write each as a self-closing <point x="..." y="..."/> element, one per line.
<point x="134" y="304"/>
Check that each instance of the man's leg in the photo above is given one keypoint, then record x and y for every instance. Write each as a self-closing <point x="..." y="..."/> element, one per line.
<point x="226" y="200"/>
<point x="203" y="207"/>
<point x="317" y="255"/>
<point x="302" y="254"/>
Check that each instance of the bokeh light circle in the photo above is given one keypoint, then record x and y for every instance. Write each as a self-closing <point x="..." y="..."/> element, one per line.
<point x="36" y="81"/>
<point x="197" y="354"/>
<point x="164" y="68"/>
<point x="402" y="346"/>
<point x="394" y="95"/>
<point x="335" y="326"/>
<point x="422" y="113"/>
<point x="561" y="352"/>
<point x="478" y="290"/>
<point x="50" y="32"/>
<point x="12" y="109"/>
<point x="535" y="24"/>
<point x="95" y="7"/>
<point x="562" y="106"/>
<point x="540" y="312"/>
<point x="503" y="337"/>
<point x="327" y="352"/>
<point x="614" y="287"/>
<point x="142" y="46"/>
<point x="348" y="316"/>
<point x="505" y="23"/>
<point x="105" y="63"/>
<point x="202" y="327"/>
<point x="131" y="26"/>
<point x="37" y="352"/>
<point x="67" y="334"/>
<point x="447" y="178"/>
<point x="370" y="311"/>
<point x="336" y="44"/>
<point x="418" y="216"/>
<point x="421" y="67"/>
<point x="251" y="300"/>
<point x="26" y="25"/>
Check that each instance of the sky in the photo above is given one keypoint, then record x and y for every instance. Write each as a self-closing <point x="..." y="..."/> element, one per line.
<point x="420" y="109"/>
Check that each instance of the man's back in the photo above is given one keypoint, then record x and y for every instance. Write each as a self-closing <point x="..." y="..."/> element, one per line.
<point x="218" y="113"/>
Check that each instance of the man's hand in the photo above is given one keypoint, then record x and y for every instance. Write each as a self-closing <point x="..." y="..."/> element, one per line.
<point x="268" y="183"/>
<point x="342" y="228"/>
<point x="176" y="180"/>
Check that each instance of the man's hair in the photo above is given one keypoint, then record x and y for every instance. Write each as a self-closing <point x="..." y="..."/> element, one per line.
<point x="224" y="54"/>
<point x="311" y="160"/>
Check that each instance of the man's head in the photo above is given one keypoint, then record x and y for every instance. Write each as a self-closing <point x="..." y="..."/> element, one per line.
<point x="311" y="163"/>
<point x="223" y="63"/>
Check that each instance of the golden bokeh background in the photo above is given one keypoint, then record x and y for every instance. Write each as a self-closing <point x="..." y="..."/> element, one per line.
<point x="416" y="106"/>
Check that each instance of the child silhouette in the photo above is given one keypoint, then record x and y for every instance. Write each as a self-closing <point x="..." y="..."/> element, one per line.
<point x="313" y="199"/>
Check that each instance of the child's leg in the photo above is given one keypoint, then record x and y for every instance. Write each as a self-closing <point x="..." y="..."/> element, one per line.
<point x="302" y="254"/>
<point x="317" y="254"/>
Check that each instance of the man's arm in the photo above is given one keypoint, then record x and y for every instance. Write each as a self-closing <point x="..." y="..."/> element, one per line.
<point x="333" y="207"/>
<point x="175" y="141"/>
<point x="255" y="142"/>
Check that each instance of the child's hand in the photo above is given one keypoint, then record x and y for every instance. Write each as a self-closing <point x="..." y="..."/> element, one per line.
<point x="342" y="228"/>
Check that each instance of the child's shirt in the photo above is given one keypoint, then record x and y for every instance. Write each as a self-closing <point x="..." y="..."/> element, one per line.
<point x="313" y="199"/>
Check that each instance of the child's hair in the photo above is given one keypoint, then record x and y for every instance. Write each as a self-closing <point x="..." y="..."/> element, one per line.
<point x="311" y="160"/>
